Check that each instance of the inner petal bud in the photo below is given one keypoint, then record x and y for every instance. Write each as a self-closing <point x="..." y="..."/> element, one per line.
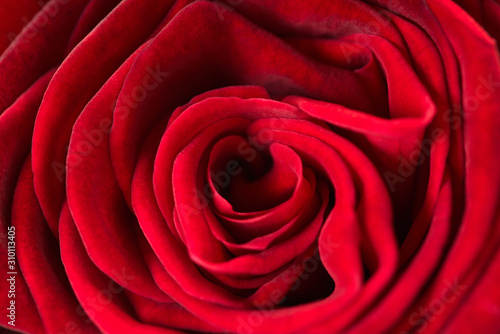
<point x="252" y="177"/>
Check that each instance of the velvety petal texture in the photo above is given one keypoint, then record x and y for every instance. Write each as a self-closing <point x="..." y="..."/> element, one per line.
<point x="248" y="166"/>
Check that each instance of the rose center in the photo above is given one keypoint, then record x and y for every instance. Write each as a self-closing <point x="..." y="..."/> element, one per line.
<point x="251" y="177"/>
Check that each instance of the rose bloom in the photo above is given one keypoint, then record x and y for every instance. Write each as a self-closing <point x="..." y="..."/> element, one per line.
<point x="250" y="166"/>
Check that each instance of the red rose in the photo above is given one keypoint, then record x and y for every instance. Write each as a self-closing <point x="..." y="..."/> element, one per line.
<point x="250" y="166"/>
